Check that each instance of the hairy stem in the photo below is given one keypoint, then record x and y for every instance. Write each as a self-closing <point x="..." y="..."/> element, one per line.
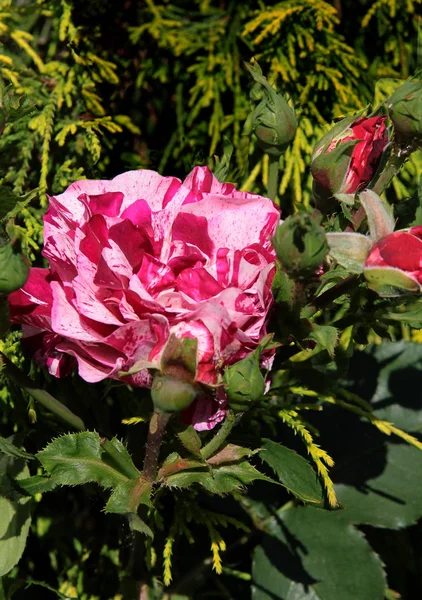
<point x="330" y="295"/>
<point x="273" y="173"/>
<point x="44" y="398"/>
<point x="220" y="437"/>
<point x="157" y="427"/>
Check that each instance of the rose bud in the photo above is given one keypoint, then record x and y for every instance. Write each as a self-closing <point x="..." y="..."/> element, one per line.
<point x="346" y="159"/>
<point x="172" y="395"/>
<point x="244" y="382"/>
<point x="405" y="109"/>
<point x="272" y="120"/>
<point x="394" y="264"/>
<point x="300" y="244"/>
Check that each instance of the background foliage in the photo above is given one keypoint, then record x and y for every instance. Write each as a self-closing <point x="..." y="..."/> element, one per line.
<point x="91" y="88"/>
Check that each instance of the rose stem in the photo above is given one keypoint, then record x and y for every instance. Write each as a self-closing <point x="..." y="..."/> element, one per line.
<point x="335" y="292"/>
<point x="273" y="171"/>
<point x="157" y="427"/>
<point x="41" y="396"/>
<point x="220" y="437"/>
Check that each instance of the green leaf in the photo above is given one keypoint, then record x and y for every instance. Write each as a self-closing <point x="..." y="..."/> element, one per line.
<point x="6" y="447"/>
<point x="325" y="336"/>
<point x="377" y="476"/>
<point x="229" y="454"/>
<point x="137" y="524"/>
<point x="126" y="497"/>
<point x="220" y="480"/>
<point x="14" y="270"/>
<point x="15" y="514"/>
<point x="11" y="204"/>
<point x="189" y="438"/>
<point x="38" y="484"/>
<point x="410" y="313"/>
<point x="78" y="458"/>
<point x="293" y="471"/>
<point x="8" y="201"/>
<point x="311" y="554"/>
<point x="174" y="463"/>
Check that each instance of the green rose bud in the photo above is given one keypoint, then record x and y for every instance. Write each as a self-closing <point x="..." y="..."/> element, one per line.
<point x="405" y="109"/>
<point x="172" y="395"/>
<point x="272" y="120"/>
<point x="300" y="244"/>
<point x="243" y="382"/>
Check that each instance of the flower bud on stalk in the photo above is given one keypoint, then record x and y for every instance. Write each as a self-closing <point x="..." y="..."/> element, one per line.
<point x="172" y="395"/>
<point x="244" y="383"/>
<point x="347" y="158"/>
<point x="300" y="244"/>
<point x="405" y="110"/>
<point x="272" y="120"/>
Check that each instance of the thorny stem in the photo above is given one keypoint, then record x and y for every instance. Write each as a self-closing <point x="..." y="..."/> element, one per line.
<point x="220" y="437"/>
<point x="40" y="395"/>
<point x="330" y="295"/>
<point x="157" y="427"/>
<point x="273" y="172"/>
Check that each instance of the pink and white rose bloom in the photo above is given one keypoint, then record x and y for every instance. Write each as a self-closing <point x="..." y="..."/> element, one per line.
<point x="137" y="258"/>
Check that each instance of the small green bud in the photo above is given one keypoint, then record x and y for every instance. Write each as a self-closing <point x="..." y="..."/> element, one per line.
<point x="272" y="120"/>
<point x="405" y="109"/>
<point x="300" y="244"/>
<point x="172" y="395"/>
<point x="244" y="382"/>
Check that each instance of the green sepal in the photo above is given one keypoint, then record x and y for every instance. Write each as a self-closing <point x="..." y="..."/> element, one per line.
<point x="389" y="282"/>
<point x="338" y="131"/>
<point x="330" y="169"/>
<point x="180" y="354"/>
<point x="350" y="249"/>
<point x="379" y="214"/>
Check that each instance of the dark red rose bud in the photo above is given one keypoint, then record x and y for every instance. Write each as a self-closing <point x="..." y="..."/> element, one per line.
<point x="347" y="158"/>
